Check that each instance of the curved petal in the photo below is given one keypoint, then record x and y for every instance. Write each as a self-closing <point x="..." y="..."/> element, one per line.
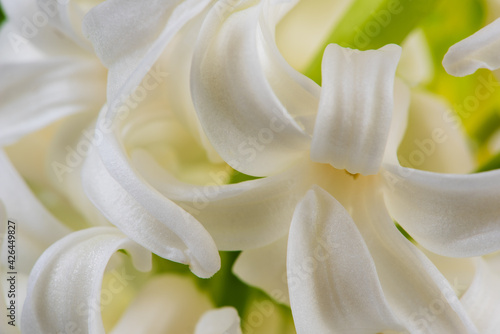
<point x="34" y="94"/>
<point x="36" y="227"/>
<point x="399" y="121"/>
<point x="241" y="114"/>
<point x="458" y="271"/>
<point x="434" y="140"/>
<point x="482" y="299"/>
<point x="224" y="320"/>
<point x="238" y="216"/>
<point x="418" y="294"/>
<point x="30" y="30"/>
<point x="298" y="94"/>
<point x="167" y="304"/>
<point x="265" y="268"/>
<point x="176" y="61"/>
<point x="67" y="17"/>
<point x="65" y="284"/>
<point x="299" y="45"/>
<point x="416" y="66"/>
<point x="325" y="296"/>
<point x="355" y="109"/>
<point x="130" y="43"/>
<point x="481" y="50"/>
<point x="37" y="143"/>
<point x="68" y="148"/>
<point x="451" y="215"/>
<point x="165" y="229"/>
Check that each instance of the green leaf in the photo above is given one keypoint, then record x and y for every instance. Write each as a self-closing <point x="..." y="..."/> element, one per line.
<point x="371" y="24"/>
<point x="238" y="177"/>
<point x="492" y="164"/>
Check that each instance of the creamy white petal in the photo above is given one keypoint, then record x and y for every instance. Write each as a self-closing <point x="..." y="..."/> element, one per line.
<point x="355" y="109"/>
<point x="67" y="17"/>
<point x="451" y="215"/>
<point x="220" y="321"/>
<point x="332" y="278"/>
<point x="238" y="216"/>
<point x="69" y="147"/>
<point x="64" y="289"/>
<point x="435" y="139"/>
<point x="481" y="50"/>
<point x="129" y="36"/>
<point x="145" y="215"/>
<point x="37" y="144"/>
<point x="14" y="47"/>
<point x="241" y="114"/>
<point x="175" y="90"/>
<point x="299" y="45"/>
<point x="298" y="94"/>
<point x="34" y="94"/>
<point x="265" y="268"/>
<point x="416" y="66"/>
<point x="399" y="121"/>
<point x="459" y="272"/>
<point x="482" y="299"/>
<point x="167" y="304"/>
<point x="31" y="29"/>
<point x="418" y="294"/>
<point x="36" y="227"/>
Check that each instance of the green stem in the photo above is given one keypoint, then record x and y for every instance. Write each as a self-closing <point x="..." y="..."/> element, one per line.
<point x="227" y="289"/>
<point x="371" y="24"/>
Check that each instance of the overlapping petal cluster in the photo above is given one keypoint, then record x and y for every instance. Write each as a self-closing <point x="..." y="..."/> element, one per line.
<point x="143" y="114"/>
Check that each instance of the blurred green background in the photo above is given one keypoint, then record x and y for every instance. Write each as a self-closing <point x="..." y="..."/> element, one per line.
<point x="2" y="15"/>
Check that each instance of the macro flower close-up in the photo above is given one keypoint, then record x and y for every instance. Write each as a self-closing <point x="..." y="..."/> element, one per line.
<point x="249" y="166"/>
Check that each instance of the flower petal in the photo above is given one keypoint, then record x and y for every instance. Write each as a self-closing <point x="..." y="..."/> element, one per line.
<point x="482" y="299"/>
<point x="399" y="121"/>
<point x="299" y="45"/>
<point x="29" y="30"/>
<point x="434" y="140"/>
<point x="176" y="61"/>
<point x="67" y="17"/>
<point x="242" y="116"/>
<point x="458" y="271"/>
<point x="167" y="304"/>
<point x="322" y="273"/>
<point x="129" y="37"/>
<point x="415" y="65"/>
<point x="65" y="284"/>
<point x="451" y="215"/>
<point x="34" y="94"/>
<point x="165" y="228"/>
<point x="418" y="294"/>
<point x="481" y="50"/>
<point x="355" y="110"/>
<point x="265" y="268"/>
<point x="223" y="320"/>
<point x="36" y="227"/>
<point x="238" y="216"/>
